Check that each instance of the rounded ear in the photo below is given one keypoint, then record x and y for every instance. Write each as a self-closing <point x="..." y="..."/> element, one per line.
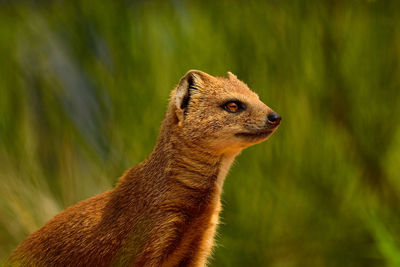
<point x="231" y="76"/>
<point x="191" y="83"/>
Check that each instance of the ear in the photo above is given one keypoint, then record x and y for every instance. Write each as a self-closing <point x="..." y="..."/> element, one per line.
<point x="231" y="76"/>
<point x="190" y="84"/>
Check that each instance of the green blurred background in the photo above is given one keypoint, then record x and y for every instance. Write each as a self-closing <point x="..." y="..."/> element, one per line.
<point x="84" y="86"/>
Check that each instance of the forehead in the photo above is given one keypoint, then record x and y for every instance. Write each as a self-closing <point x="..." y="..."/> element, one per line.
<point x="231" y="88"/>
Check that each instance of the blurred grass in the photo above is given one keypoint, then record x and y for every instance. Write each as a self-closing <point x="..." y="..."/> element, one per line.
<point x="84" y="86"/>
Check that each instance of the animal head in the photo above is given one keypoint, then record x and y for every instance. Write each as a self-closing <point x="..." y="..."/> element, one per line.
<point x="222" y="115"/>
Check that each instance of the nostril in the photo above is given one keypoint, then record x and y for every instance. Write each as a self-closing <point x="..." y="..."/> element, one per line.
<point x="274" y="118"/>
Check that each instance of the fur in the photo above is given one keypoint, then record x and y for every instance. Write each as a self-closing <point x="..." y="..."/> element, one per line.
<point x="164" y="211"/>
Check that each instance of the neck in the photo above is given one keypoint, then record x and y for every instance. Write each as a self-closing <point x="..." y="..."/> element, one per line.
<point x="181" y="178"/>
<point x="186" y="162"/>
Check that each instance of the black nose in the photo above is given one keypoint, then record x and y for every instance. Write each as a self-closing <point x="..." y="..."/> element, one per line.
<point x="274" y="118"/>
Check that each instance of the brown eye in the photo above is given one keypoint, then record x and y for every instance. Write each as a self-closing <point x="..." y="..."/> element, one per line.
<point x="233" y="106"/>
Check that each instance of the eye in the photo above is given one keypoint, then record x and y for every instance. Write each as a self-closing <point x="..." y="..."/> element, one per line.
<point x="233" y="106"/>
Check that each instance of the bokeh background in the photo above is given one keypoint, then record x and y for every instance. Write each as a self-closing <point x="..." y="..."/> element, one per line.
<point x="84" y="86"/>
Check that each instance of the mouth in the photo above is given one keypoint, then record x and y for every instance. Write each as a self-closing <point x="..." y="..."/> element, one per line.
<point x="255" y="135"/>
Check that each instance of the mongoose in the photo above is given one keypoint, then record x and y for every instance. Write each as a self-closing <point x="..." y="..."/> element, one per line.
<point x="163" y="211"/>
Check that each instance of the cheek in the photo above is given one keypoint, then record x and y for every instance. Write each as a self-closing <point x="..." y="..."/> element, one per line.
<point x="202" y="130"/>
<point x="235" y="123"/>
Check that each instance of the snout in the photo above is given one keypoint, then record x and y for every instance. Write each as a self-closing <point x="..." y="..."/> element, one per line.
<point x="273" y="119"/>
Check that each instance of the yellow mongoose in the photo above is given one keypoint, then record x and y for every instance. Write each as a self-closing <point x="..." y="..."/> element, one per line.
<point x="163" y="211"/>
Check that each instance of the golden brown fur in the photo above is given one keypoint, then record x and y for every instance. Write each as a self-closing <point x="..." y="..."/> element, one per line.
<point x="164" y="211"/>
